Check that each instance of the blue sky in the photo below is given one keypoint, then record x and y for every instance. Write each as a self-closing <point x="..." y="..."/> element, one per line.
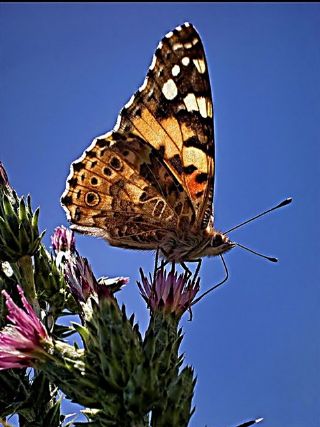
<point x="65" y="72"/>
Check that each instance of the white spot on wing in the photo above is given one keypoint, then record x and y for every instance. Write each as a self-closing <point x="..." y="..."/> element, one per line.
<point x="127" y="105"/>
<point x="160" y="71"/>
<point x="202" y="106"/>
<point x="144" y="85"/>
<point x="191" y="102"/>
<point x="117" y="125"/>
<point x="169" y="35"/>
<point x="175" y="70"/>
<point x="209" y="108"/>
<point x="169" y="89"/>
<point x="185" y="61"/>
<point x="104" y="136"/>
<point x="177" y="46"/>
<point x="200" y="65"/>
<point x="188" y="45"/>
<point x="153" y="62"/>
<point x="181" y="107"/>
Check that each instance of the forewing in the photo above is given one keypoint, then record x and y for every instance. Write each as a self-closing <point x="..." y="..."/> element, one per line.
<point x="173" y="112"/>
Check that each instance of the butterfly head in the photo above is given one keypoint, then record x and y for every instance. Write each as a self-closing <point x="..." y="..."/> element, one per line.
<point x="219" y="243"/>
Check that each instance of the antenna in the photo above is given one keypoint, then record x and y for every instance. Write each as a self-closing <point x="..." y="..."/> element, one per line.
<point x="269" y="258"/>
<point x="250" y="423"/>
<point x="214" y="286"/>
<point x="283" y="203"/>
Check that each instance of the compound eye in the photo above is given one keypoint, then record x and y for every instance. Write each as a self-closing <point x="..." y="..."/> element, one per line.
<point x="217" y="241"/>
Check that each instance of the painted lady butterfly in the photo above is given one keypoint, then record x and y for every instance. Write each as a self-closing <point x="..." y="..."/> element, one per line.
<point x="148" y="184"/>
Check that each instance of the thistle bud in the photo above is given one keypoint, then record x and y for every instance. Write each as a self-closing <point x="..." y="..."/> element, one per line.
<point x="63" y="240"/>
<point x="51" y="285"/>
<point x="80" y="278"/>
<point x="19" y="233"/>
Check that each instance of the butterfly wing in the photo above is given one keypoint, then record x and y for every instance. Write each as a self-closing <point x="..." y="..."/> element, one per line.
<point x="121" y="190"/>
<point x="172" y="111"/>
<point x="154" y="173"/>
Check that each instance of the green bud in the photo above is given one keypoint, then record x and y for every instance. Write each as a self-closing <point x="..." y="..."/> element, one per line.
<point x="162" y="341"/>
<point x="50" y="283"/>
<point x="177" y="410"/>
<point x="113" y="351"/>
<point x="113" y="345"/>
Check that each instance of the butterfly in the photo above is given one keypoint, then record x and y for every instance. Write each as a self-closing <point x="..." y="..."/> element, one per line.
<point x="148" y="184"/>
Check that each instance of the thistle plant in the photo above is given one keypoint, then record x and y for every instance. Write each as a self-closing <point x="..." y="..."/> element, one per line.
<point x="119" y="375"/>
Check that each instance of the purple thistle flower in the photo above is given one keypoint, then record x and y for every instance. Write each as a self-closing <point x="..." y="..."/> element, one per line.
<point x="22" y="341"/>
<point x="80" y="278"/>
<point x="168" y="292"/>
<point x="82" y="282"/>
<point x="63" y="240"/>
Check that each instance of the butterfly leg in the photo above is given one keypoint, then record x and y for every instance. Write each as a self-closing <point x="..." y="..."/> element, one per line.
<point x="157" y="267"/>
<point x="163" y="263"/>
<point x="189" y="272"/>
<point x="195" y="275"/>
<point x="217" y="285"/>
<point x="156" y="259"/>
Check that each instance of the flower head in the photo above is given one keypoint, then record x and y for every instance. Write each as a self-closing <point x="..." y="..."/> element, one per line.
<point x="82" y="282"/>
<point x="79" y="276"/>
<point x="22" y="341"/>
<point x="168" y="292"/>
<point x="63" y="240"/>
<point x="19" y="232"/>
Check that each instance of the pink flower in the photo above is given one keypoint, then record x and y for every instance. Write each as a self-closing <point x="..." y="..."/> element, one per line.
<point x="63" y="240"/>
<point x="22" y="341"/>
<point x="168" y="292"/>
<point x="82" y="282"/>
<point x="80" y="278"/>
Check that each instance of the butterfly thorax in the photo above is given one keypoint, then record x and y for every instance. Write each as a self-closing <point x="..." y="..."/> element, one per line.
<point x="188" y="246"/>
